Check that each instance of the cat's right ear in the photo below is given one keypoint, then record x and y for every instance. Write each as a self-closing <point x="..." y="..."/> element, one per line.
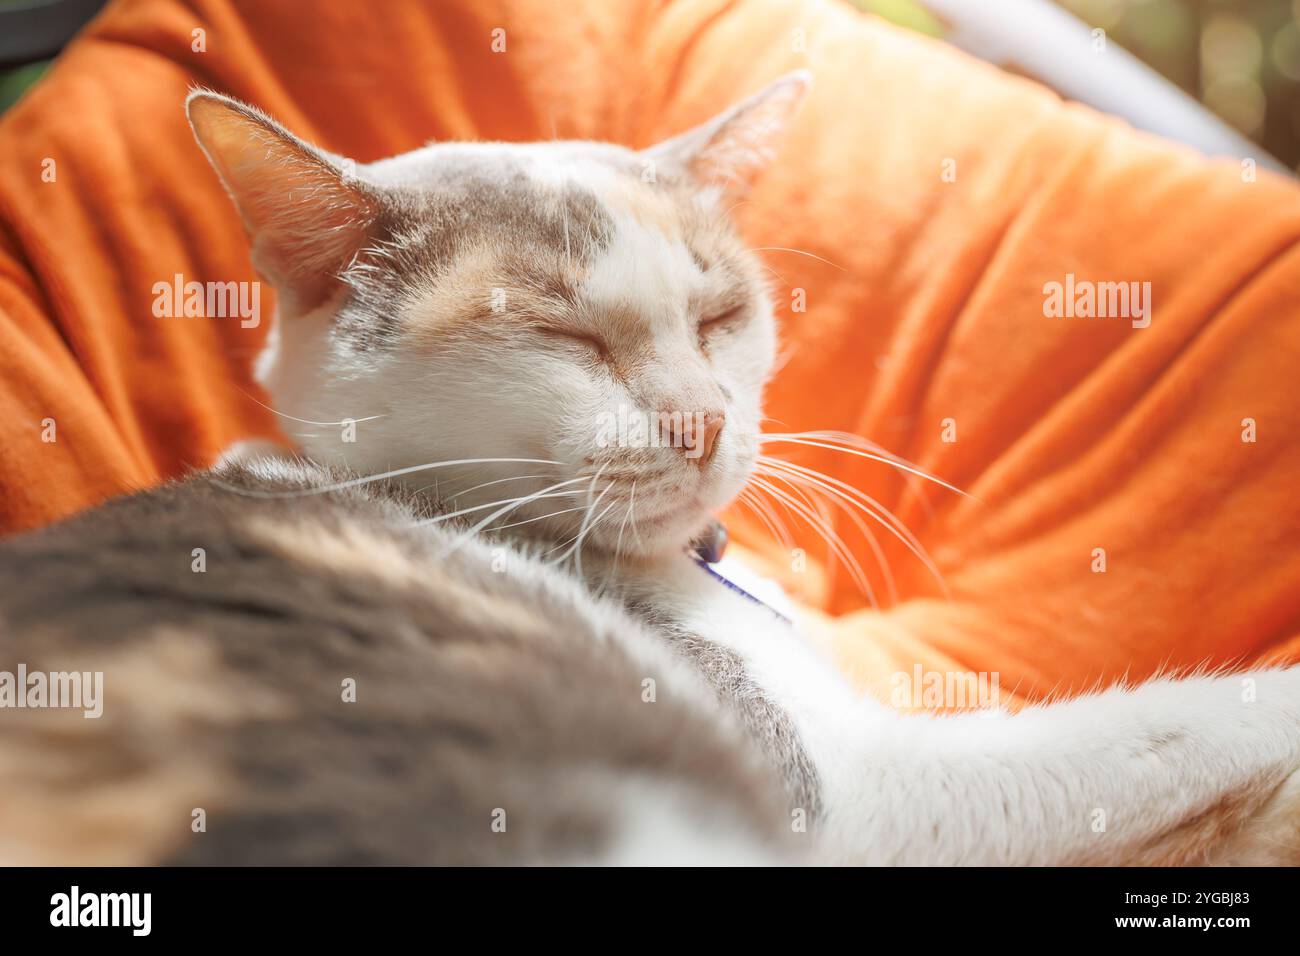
<point x="306" y="216"/>
<point x="725" y="152"/>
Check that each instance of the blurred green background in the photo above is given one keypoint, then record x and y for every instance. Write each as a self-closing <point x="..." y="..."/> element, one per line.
<point x="1241" y="58"/>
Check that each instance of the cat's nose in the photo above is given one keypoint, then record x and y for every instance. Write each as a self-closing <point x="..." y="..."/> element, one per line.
<point x="709" y="439"/>
<point x="696" y="435"/>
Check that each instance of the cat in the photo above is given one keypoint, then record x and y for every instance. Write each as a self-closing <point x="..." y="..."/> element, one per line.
<point x="477" y="633"/>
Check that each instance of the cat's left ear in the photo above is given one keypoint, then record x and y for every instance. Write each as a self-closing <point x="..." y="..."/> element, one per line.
<point x="726" y="151"/>
<point x="306" y="215"/>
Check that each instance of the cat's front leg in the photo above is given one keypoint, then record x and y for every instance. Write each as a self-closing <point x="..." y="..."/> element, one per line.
<point x="1170" y="772"/>
<point x="1173" y="771"/>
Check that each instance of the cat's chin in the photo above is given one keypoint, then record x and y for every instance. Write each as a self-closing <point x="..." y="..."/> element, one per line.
<point x="670" y="531"/>
<point x="657" y="536"/>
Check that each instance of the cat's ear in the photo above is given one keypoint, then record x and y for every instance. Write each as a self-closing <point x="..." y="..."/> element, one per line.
<point x="306" y="216"/>
<point x="726" y="151"/>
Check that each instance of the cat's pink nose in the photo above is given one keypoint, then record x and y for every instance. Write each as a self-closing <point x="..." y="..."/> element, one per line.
<point x="709" y="439"/>
<point x="698" y="434"/>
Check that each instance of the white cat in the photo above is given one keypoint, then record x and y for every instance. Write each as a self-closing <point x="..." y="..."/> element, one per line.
<point x="500" y="305"/>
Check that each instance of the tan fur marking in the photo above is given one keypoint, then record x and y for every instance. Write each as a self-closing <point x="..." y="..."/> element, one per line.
<point x="1194" y="839"/>
<point x="120" y="790"/>
<point x="474" y="291"/>
<point x="1269" y="836"/>
<point x="351" y="551"/>
<point x="658" y="210"/>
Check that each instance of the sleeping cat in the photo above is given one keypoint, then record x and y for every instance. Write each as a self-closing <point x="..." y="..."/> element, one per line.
<point x="476" y="633"/>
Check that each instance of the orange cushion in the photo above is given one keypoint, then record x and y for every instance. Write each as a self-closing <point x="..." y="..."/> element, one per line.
<point x="931" y="199"/>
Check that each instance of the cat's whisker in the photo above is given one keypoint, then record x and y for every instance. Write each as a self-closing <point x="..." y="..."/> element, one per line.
<point x="826" y="507"/>
<point x="857" y="441"/>
<point x="804" y="494"/>
<point x="867" y="445"/>
<point x="605" y="582"/>
<point x="745" y="502"/>
<point x="585" y="517"/>
<point x="848" y="497"/>
<point x="568" y="542"/>
<point x="487" y="484"/>
<point x="783" y="529"/>
<point x="382" y="476"/>
<point x="736" y="205"/>
<point x="869" y="506"/>
<point x="452" y="515"/>
<point x="505" y="509"/>
<point x="618" y="543"/>
<point x="563" y="544"/>
<point x="844" y="487"/>
<point x="551" y="514"/>
<point x="765" y="513"/>
<point x="877" y="552"/>
<point x="893" y="461"/>
<point x="800" y="252"/>
<point x="583" y="532"/>
<point x="841" y="549"/>
<point x="636" y="530"/>
<point x="306" y="421"/>
<point x="576" y="549"/>
<point x="825" y="502"/>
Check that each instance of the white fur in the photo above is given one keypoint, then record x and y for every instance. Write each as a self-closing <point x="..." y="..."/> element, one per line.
<point x="669" y="825"/>
<point x="997" y="789"/>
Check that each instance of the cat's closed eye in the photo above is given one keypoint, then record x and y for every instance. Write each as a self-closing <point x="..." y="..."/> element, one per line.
<point x="578" y="340"/>
<point x="722" y="320"/>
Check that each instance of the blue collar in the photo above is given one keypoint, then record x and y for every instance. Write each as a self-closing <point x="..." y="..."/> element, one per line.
<point x="707" y="568"/>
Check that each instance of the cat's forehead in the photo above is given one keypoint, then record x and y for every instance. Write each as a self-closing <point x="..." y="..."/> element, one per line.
<point x="456" y="198"/>
<point x="562" y="220"/>
<point x="538" y="163"/>
<point x="551" y="194"/>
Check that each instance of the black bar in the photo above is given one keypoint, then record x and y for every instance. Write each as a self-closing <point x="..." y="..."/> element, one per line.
<point x="333" y="906"/>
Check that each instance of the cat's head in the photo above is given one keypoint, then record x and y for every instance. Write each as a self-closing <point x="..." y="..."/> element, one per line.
<point x="583" y="312"/>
